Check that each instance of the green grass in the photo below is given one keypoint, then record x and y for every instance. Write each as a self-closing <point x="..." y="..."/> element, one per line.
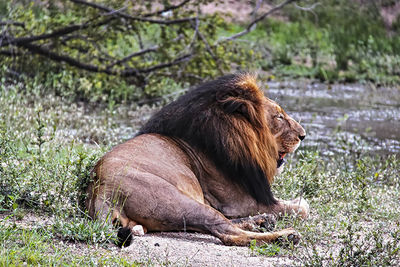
<point x="354" y="217"/>
<point x="47" y="150"/>
<point x="354" y="214"/>
<point x="45" y="160"/>
<point x="38" y="246"/>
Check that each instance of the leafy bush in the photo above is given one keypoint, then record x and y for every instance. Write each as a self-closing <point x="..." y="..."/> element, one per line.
<point x="36" y="169"/>
<point x="336" y="41"/>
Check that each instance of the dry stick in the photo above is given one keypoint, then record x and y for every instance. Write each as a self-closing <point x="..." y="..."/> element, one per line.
<point x="249" y="27"/>
<point x="130" y="17"/>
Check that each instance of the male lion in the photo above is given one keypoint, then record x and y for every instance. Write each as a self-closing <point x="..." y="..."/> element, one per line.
<point x="206" y="157"/>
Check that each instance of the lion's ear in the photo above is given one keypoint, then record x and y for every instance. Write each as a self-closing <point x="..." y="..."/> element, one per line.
<point x="234" y="104"/>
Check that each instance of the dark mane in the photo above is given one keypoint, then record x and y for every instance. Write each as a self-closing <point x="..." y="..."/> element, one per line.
<point x="225" y="120"/>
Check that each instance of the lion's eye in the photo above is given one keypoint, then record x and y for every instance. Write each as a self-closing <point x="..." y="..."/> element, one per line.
<point x="279" y="117"/>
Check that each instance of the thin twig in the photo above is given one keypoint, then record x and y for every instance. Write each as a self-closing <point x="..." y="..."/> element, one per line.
<point x="167" y="9"/>
<point x="195" y="33"/>
<point x="176" y="61"/>
<point x="309" y="9"/>
<point x="116" y="11"/>
<point x="135" y="54"/>
<point x="256" y="8"/>
<point x="130" y="17"/>
<point x="208" y="47"/>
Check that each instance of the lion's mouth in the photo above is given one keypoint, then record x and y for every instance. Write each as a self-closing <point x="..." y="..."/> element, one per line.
<point x="281" y="159"/>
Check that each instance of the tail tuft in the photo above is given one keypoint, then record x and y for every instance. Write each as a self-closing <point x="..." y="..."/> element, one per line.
<point x="124" y="237"/>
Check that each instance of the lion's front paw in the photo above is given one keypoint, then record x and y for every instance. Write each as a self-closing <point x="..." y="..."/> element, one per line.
<point x="288" y="236"/>
<point x="302" y="207"/>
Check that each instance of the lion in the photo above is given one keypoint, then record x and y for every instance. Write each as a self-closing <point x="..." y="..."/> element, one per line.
<point x="204" y="163"/>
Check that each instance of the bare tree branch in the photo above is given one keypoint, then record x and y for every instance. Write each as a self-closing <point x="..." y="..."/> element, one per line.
<point x="36" y="49"/>
<point x="11" y="53"/>
<point x="130" y="17"/>
<point x="249" y="27"/>
<point x="56" y="33"/>
<point x="9" y="22"/>
<point x="93" y="68"/>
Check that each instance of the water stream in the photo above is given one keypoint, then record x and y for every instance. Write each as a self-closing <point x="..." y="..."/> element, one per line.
<point x="339" y="118"/>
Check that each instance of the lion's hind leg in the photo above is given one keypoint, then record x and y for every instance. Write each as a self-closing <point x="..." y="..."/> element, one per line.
<point x="187" y="213"/>
<point x="114" y="215"/>
<point x="176" y="210"/>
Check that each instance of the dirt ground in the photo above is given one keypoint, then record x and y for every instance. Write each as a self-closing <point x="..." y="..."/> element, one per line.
<point x="163" y="249"/>
<point x="193" y="249"/>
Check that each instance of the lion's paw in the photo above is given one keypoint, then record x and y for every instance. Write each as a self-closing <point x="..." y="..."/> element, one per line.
<point x="288" y="236"/>
<point x="138" y="230"/>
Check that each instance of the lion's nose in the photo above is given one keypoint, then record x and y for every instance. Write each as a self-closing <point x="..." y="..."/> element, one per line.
<point x="301" y="137"/>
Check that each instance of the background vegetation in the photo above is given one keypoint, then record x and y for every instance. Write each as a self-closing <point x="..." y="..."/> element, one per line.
<point x="57" y="118"/>
<point x="127" y="51"/>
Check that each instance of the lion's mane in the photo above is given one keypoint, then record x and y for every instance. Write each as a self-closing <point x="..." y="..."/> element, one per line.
<point x="225" y="120"/>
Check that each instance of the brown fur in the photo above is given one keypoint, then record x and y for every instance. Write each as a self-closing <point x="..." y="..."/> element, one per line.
<point x="208" y="156"/>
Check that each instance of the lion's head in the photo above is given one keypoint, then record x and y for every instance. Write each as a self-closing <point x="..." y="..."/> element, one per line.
<point x="288" y="133"/>
<point x="245" y="134"/>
